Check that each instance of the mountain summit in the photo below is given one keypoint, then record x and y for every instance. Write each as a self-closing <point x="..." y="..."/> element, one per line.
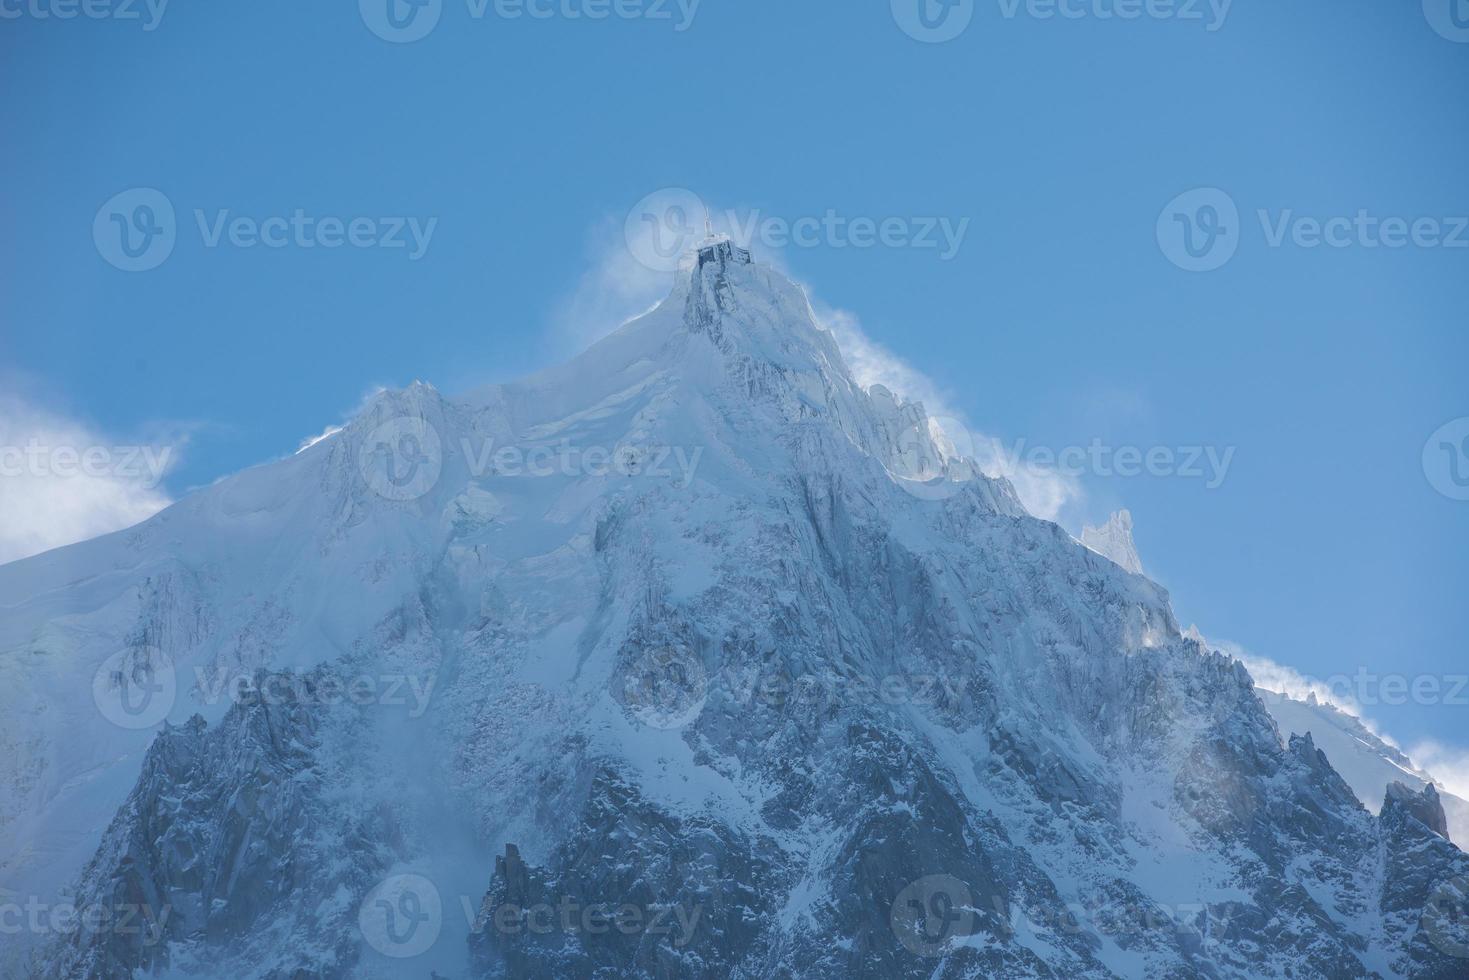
<point x="690" y="657"/>
<point x="1114" y="540"/>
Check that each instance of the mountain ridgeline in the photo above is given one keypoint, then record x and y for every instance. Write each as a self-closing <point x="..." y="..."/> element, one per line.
<point x="688" y="658"/>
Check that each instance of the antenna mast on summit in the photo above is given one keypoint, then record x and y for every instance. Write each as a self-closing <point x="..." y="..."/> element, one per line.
<point x="708" y="225"/>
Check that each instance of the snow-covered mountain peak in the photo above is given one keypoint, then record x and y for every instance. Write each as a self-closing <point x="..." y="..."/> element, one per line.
<point x="1114" y="540"/>
<point x="1422" y="805"/>
<point x="692" y="622"/>
<point x="736" y="344"/>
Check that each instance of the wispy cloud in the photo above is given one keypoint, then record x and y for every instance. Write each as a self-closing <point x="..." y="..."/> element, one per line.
<point x="64" y="481"/>
<point x="1288" y="681"/>
<point x="1447" y="764"/>
<point x="1044" y="492"/>
<point x="872" y="363"/>
<point x="615" y="288"/>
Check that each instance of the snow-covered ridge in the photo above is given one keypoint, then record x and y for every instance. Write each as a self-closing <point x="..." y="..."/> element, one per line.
<point x="1369" y="764"/>
<point x="827" y="690"/>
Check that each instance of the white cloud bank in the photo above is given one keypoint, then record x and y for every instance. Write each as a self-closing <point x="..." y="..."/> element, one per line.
<point x="61" y="481"/>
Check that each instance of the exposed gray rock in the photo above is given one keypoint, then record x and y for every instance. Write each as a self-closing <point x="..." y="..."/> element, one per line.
<point x="820" y="712"/>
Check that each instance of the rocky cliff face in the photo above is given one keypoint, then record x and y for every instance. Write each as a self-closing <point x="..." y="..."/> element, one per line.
<point x="725" y="670"/>
<point x="231" y="832"/>
<point x="1369" y="764"/>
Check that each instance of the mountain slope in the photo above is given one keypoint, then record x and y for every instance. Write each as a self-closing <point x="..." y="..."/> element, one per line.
<point x="1367" y="763"/>
<point x="695" y="675"/>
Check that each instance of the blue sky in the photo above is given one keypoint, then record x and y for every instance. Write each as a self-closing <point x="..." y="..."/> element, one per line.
<point x="1061" y="319"/>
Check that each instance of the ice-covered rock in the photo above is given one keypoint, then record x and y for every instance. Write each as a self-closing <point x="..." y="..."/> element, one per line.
<point x="1114" y="540"/>
<point x="690" y="657"/>
<point x="1368" y="763"/>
